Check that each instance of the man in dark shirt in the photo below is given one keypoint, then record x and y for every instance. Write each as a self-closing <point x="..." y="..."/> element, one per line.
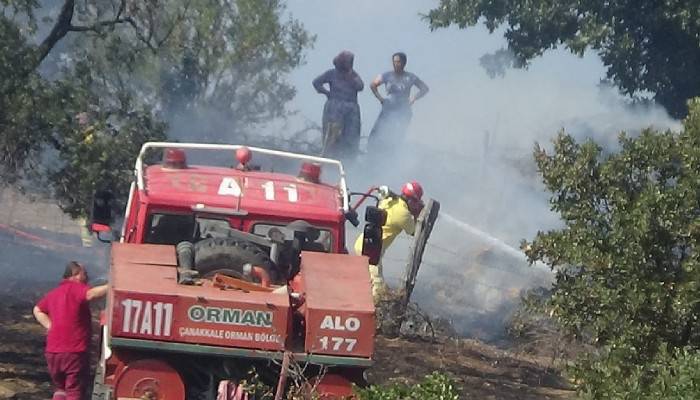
<point x="65" y="313"/>
<point x="341" y="113"/>
<point x="396" y="113"/>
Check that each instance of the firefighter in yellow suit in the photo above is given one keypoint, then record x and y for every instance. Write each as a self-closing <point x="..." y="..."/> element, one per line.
<point x="401" y="213"/>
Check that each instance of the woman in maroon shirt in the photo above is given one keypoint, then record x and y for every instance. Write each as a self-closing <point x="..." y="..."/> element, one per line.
<point x="341" y="113"/>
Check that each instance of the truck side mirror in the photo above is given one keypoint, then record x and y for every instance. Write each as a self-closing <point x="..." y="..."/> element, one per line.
<point x="101" y="215"/>
<point x="102" y="207"/>
<point x="372" y="235"/>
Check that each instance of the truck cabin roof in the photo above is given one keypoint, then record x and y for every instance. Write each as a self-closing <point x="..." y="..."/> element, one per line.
<point x="241" y="192"/>
<point x="242" y="189"/>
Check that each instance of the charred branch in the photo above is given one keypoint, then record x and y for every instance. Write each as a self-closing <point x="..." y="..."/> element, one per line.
<point x="64" y="24"/>
<point x="97" y="27"/>
<point x="59" y="30"/>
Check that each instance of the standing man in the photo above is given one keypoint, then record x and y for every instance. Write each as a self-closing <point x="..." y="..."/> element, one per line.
<point x="401" y="213"/>
<point x="395" y="116"/>
<point x="65" y="313"/>
<point x="341" y="113"/>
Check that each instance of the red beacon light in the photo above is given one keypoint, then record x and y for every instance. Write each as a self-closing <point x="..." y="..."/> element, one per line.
<point x="174" y="159"/>
<point x="310" y="172"/>
<point x="243" y="156"/>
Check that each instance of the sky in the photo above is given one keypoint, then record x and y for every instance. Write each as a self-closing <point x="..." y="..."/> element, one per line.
<point x="470" y="143"/>
<point x="448" y="61"/>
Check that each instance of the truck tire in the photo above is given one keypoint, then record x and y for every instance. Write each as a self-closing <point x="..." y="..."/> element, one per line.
<point x="219" y="255"/>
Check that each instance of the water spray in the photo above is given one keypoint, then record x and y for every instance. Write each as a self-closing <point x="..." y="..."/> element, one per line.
<point x="501" y="245"/>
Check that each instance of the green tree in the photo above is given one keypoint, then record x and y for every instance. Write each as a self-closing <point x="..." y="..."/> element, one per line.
<point x="648" y="46"/>
<point x="41" y="147"/>
<point x="124" y="67"/>
<point x="20" y="91"/>
<point x="98" y="147"/>
<point x="626" y="260"/>
<point x="220" y="64"/>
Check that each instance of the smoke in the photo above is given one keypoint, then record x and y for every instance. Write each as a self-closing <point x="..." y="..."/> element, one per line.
<point x="37" y="240"/>
<point x="470" y="144"/>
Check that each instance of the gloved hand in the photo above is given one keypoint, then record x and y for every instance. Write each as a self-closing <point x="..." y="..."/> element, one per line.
<point x="415" y="207"/>
<point x="383" y="191"/>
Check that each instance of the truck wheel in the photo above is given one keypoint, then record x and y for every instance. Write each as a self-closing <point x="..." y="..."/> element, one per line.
<point x="228" y="254"/>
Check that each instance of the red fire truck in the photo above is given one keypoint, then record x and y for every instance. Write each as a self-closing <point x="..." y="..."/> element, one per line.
<point x="222" y="270"/>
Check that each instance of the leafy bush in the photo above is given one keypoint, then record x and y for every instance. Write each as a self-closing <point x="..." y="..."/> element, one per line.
<point x="434" y="386"/>
<point x="626" y="259"/>
<point x="670" y="376"/>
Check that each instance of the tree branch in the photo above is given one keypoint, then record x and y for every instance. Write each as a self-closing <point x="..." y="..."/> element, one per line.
<point x="101" y="24"/>
<point x="122" y="7"/>
<point x="145" y="40"/>
<point x="64" y="24"/>
<point x="59" y="30"/>
<point x="180" y="18"/>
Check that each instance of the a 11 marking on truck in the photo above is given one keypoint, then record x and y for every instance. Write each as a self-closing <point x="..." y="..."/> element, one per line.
<point x="230" y="187"/>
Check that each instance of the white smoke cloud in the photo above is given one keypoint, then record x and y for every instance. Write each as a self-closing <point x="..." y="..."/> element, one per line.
<point x="470" y="143"/>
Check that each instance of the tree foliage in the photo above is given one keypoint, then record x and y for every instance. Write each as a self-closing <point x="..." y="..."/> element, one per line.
<point x="221" y="63"/>
<point x="21" y="91"/>
<point x="626" y="260"/>
<point x="86" y="83"/>
<point x="647" y="45"/>
<point x="669" y="375"/>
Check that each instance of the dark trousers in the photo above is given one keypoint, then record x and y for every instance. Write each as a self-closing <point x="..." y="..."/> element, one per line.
<point x="389" y="129"/>
<point x="69" y="373"/>
<point x="341" y="129"/>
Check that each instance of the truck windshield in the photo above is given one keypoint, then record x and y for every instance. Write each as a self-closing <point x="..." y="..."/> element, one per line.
<point x="175" y="228"/>
<point x="170" y="228"/>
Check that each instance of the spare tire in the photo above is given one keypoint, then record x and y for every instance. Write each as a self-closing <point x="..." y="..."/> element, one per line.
<point x="219" y="255"/>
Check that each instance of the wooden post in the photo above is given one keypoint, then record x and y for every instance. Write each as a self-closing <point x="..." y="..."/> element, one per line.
<point x="424" y="226"/>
